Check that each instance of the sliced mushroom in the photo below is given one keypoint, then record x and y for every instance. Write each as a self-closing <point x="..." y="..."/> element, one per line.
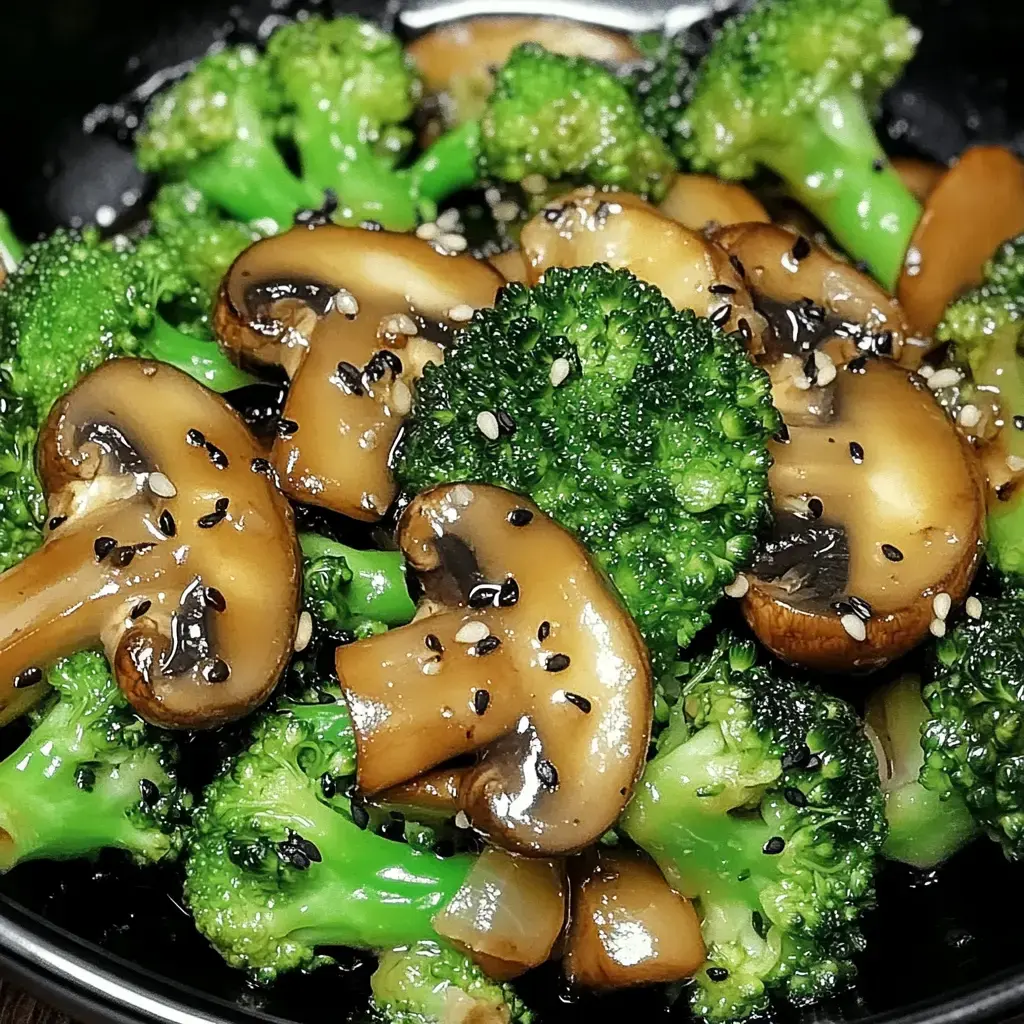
<point x="809" y="297"/>
<point x="978" y="204"/>
<point x="352" y="316"/>
<point x="701" y="202"/>
<point x="629" y="927"/>
<point x="458" y="60"/>
<point x="168" y="543"/>
<point x="435" y="792"/>
<point x="510" y="265"/>
<point x="530" y="661"/>
<point x="879" y="518"/>
<point x="618" y="228"/>
<point x="508" y="914"/>
<point x="920" y="176"/>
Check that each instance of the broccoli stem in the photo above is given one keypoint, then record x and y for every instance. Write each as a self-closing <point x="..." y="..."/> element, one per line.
<point x="449" y="165"/>
<point x="200" y="359"/>
<point x="11" y="249"/>
<point x="378" y="590"/>
<point x="837" y="169"/>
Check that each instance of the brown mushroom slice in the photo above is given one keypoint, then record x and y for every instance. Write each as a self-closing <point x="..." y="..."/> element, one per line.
<point x="352" y="316"/>
<point x="629" y="927"/>
<point x="700" y="202"/>
<point x="978" y="203"/>
<point x="435" y="792"/>
<point x="784" y="270"/>
<point x="167" y="543"/>
<point x="457" y="60"/>
<point x="919" y="176"/>
<point x="532" y="662"/>
<point x="508" y="914"/>
<point x="880" y="512"/>
<point x="510" y="265"/>
<point x="618" y="228"/>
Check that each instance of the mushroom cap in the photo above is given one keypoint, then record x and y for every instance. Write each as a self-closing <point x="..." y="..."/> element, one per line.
<point x="892" y="475"/>
<point x="352" y="316"/>
<point x="174" y="553"/>
<point x="563" y="726"/>
<point x="702" y="202"/>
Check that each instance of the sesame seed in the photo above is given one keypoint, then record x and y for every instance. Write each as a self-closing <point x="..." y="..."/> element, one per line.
<point x="557" y="663"/>
<point x="548" y="774"/>
<point x="1018" y="422"/>
<point x="973" y="608"/>
<point x="122" y="557"/>
<point x="461" y="314"/>
<point x="854" y="625"/>
<point x="452" y="241"/>
<point x="399" y="324"/>
<point x="520" y="517"/>
<point x="303" y="632"/>
<point x="449" y="220"/>
<point x="432" y="642"/>
<point x="259" y="465"/>
<point x="926" y="371"/>
<point x="140" y="609"/>
<point x="431" y="667"/>
<point x="461" y="495"/>
<point x="860" y="606"/>
<point x="161" y="485"/>
<point x="487" y="424"/>
<point x="167" y="524"/>
<point x="737" y="265"/>
<point x="892" y="552"/>
<point x="149" y="791"/>
<point x="400" y="399"/>
<point x="825" y="367"/>
<point x="488" y="645"/>
<point x="721" y="315"/>
<point x="560" y="369"/>
<point x="941" y="605"/>
<point x="794" y="796"/>
<point x="345" y="302"/>
<point x="462" y="820"/>
<point x="328" y="786"/>
<point x="349" y="377"/>
<point x="782" y="434"/>
<point x="816" y="508"/>
<point x="506" y="424"/>
<point x="481" y="701"/>
<point x="801" y="249"/>
<point x="544" y="631"/>
<point x="883" y="343"/>
<point x="508" y="595"/>
<point x="57" y="521"/>
<point x="857" y="452"/>
<point x="218" y="672"/>
<point x="428" y="231"/>
<point x="858" y="365"/>
<point x="878" y="165"/>
<point x="774" y="846"/>
<point x="505" y="211"/>
<point x="285" y="428"/>
<point x="210" y="520"/>
<point x="472" y="632"/>
<point x="196" y="438"/>
<point x="970" y="416"/>
<point x="216" y="599"/>
<point x="717" y="973"/>
<point x="1014" y="463"/>
<point x="944" y="379"/>
<point x="360" y="816"/>
<point x="28" y="677"/>
<point x="217" y="457"/>
<point x="484" y="595"/>
<point x="578" y="701"/>
<point x="739" y="586"/>
<point x="745" y="329"/>
<point x="535" y="184"/>
<point x="102" y="547"/>
<point x="937" y="628"/>
<point x="722" y="289"/>
<point x="221" y="505"/>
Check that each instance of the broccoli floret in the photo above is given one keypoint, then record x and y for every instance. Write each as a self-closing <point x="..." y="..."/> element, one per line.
<point x="357" y="592"/>
<point x="431" y="983"/>
<point x="928" y="819"/>
<point x="639" y="427"/>
<point x="22" y="506"/>
<point x="973" y="743"/>
<point x="91" y="776"/>
<point x="216" y="129"/>
<point x="984" y="328"/>
<point x="570" y="120"/>
<point x="788" y="85"/>
<point x="281" y="864"/>
<point x="75" y="301"/>
<point x="763" y="804"/>
<point x="11" y="249"/>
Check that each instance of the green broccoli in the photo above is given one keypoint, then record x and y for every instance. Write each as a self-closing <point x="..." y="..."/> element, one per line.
<point x="91" y="775"/>
<point x="985" y="328"/>
<point x="11" y="249"/>
<point x="75" y="301"/>
<point x="763" y="805"/>
<point x="22" y="506"/>
<point x="788" y="85"/>
<point x="641" y="428"/>
<point x="280" y="863"/>
<point x="570" y="120"/>
<point x="431" y="983"/>
<point x="357" y="592"/>
<point x="928" y="819"/>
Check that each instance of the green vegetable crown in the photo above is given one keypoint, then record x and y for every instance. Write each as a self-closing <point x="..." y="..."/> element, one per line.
<point x="651" y="446"/>
<point x="22" y="506"/>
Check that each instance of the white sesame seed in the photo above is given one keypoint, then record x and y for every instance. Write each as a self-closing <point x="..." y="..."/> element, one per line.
<point x="941" y="605"/>
<point x="738" y="587"/>
<point x="973" y="608"/>
<point x="303" y="632"/>
<point x="472" y="632"/>
<point x="925" y="371"/>
<point x="560" y="369"/>
<point x="505" y="211"/>
<point x="944" y="379"/>
<point x="431" y="667"/>
<point x="462" y="820"/>
<point x="461" y="313"/>
<point x="449" y="220"/>
<point x="453" y="242"/>
<point x="535" y="184"/>
<point x="854" y="625"/>
<point x="160" y="484"/>
<point x="826" y="368"/>
<point x="400" y="399"/>
<point x="1014" y="463"/>
<point x="492" y="196"/>
<point x="802" y="383"/>
<point x="970" y="416"/>
<point x="428" y="231"/>
<point x="937" y="628"/>
<point x="461" y="495"/>
<point x="487" y="424"/>
<point x="345" y="302"/>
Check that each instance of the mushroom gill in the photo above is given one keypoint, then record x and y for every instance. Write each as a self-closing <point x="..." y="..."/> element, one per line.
<point x="168" y="543"/>
<point x="352" y="316"/>
<point x="527" y="659"/>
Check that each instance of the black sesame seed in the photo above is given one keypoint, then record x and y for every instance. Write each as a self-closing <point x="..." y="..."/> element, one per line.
<point x="285" y="428"/>
<point x="892" y="552"/>
<point x="306" y="846"/>
<point x="548" y="774"/>
<point x="488" y="645"/>
<point x="259" y="466"/>
<point x="103" y="546"/>
<point x="858" y="365"/>
<point x="842" y="608"/>
<point x="328" y="786"/>
<point x="290" y="854"/>
<point x="221" y="504"/>
<point x="520" y="517"/>
<point x="216" y="599"/>
<point x="856" y="452"/>
<point x="745" y="329"/>
<point x="722" y="289"/>
<point x="1018" y="422"/>
<point x="28" y="677"/>
<point x="141" y="608"/>
<point x="544" y="631"/>
<point x="211" y="519"/>
<point x="782" y="434"/>
<point x="481" y="701"/>
<point x="508" y="595"/>
<point x="810" y="367"/>
<point x="878" y="164"/>
<point x="217" y="457"/>
<point x="167" y="525"/>
<point x="717" y="973"/>
<point x="883" y="343"/>
<point x="144" y="547"/>
<point x="433" y="643"/>
<point x="737" y="265"/>
<point x="57" y="521"/>
<point x="861" y="608"/>
<point x="774" y="845"/>
<point x="85" y="778"/>
<point x="483" y="595"/>
<point x="721" y="315"/>
<point x="801" y="249"/>
<point x="557" y="663"/>
<point x="196" y="438"/>
<point x="149" y="792"/>
<point x="813" y="763"/>
<point x="360" y="816"/>
<point x="122" y="556"/>
<point x="506" y="424"/>
<point x="795" y="796"/>
<point x="816" y="508"/>
<point x="578" y="701"/>
<point x="349" y="378"/>
<point x="796" y="758"/>
<point x="1005" y="491"/>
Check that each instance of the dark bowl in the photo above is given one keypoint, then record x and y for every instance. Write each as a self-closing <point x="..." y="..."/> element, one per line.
<point x="108" y="942"/>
